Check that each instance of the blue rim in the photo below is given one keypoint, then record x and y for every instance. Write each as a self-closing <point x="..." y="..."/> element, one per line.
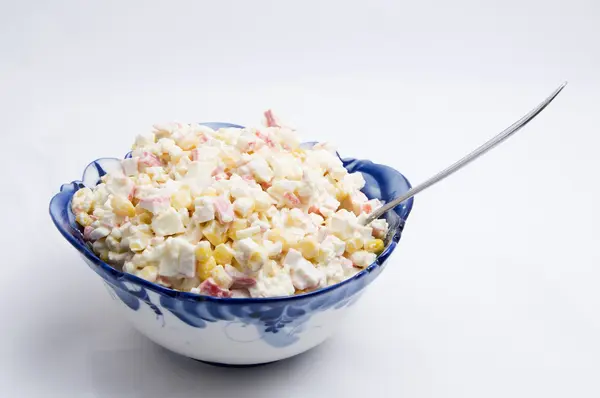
<point x="67" y="191"/>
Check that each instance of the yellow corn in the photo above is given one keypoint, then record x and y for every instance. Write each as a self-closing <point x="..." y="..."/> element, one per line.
<point x="237" y="225"/>
<point x="374" y="245"/>
<point x="83" y="219"/>
<point x="113" y="244"/>
<point x="324" y="255"/>
<point x="86" y="206"/>
<point x="353" y="245"/>
<point x="271" y="268"/>
<point x="223" y="254"/>
<point x="204" y="269"/>
<point x="275" y="235"/>
<point x="299" y="153"/>
<point x="309" y="248"/>
<point x="294" y="220"/>
<point x="104" y="255"/>
<point x="182" y="199"/>
<point x="210" y="191"/>
<point x="188" y="142"/>
<point x="262" y="202"/>
<point x="341" y="194"/>
<point x="145" y="229"/>
<point x="122" y="207"/>
<point x="149" y="273"/>
<point x="229" y="160"/>
<point x="145" y="218"/>
<point x="203" y="251"/>
<point x="214" y="232"/>
<point x="257" y="259"/>
<point x="237" y="265"/>
<point x="139" y="243"/>
<point x="221" y="277"/>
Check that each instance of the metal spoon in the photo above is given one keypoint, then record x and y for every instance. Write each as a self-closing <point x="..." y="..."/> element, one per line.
<point x="467" y="159"/>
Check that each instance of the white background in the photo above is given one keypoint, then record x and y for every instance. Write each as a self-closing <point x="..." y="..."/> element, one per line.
<point x="494" y="291"/>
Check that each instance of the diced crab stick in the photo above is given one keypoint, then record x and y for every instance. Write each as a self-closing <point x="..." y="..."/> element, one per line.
<point x="240" y="280"/>
<point x="87" y="231"/>
<point x="224" y="210"/>
<point x="271" y="120"/>
<point x="314" y="209"/>
<point x="243" y="282"/>
<point x="210" y="288"/>
<point x="164" y="280"/>
<point x="155" y="204"/>
<point x="149" y="159"/>
<point x="291" y="199"/>
<point x="268" y="141"/>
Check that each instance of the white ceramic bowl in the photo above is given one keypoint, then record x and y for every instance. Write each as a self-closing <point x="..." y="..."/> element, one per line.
<point x="230" y="331"/>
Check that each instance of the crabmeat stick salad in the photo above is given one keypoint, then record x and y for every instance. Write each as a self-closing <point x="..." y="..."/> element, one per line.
<point x="231" y="213"/>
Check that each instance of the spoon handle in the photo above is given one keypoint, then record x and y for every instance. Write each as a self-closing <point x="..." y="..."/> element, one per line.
<point x="469" y="158"/>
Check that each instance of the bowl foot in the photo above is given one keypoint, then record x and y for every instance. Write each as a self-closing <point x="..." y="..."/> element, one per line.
<point x="226" y="365"/>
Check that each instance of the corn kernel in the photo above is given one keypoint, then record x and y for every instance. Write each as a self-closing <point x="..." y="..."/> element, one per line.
<point x="149" y="273"/>
<point x="204" y="269"/>
<point x="122" y="207"/>
<point x="210" y="191"/>
<point x="214" y="232"/>
<point x="181" y="199"/>
<point x="145" y="218"/>
<point x="104" y="255"/>
<point x="353" y="245"/>
<point x="229" y="160"/>
<point x="299" y="153"/>
<point x="144" y="229"/>
<point x="237" y="225"/>
<point x="374" y="245"/>
<point x="221" y="277"/>
<point x="275" y="235"/>
<point x="187" y="284"/>
<point x="85" y="205"/>
<point x="248" y="233"/>
<point x="257" y="259"/>
<point x="139" y="243"/>
<point x="271" y="268"/>
<point x="237" y="265"/>
<point x="262" y="202"/>
<point x="203" y="251"/>
<point x="309" y="248"/>
<point x="341" y="195"/>
<point x="83" y="219"/>
<point x="116" y="233"/>
<point x="223" y="254"/>
<point x="113" y="244"/>
<point x="189" y="142"/>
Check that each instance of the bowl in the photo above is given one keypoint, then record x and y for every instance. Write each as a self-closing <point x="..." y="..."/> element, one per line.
<point x="235" y="331"/>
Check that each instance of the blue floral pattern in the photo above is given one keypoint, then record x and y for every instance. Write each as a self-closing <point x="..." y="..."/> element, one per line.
<point x="279" y="321"/>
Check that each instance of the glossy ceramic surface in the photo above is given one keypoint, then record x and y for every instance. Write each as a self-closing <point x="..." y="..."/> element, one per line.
<point x="234" y="331"/>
